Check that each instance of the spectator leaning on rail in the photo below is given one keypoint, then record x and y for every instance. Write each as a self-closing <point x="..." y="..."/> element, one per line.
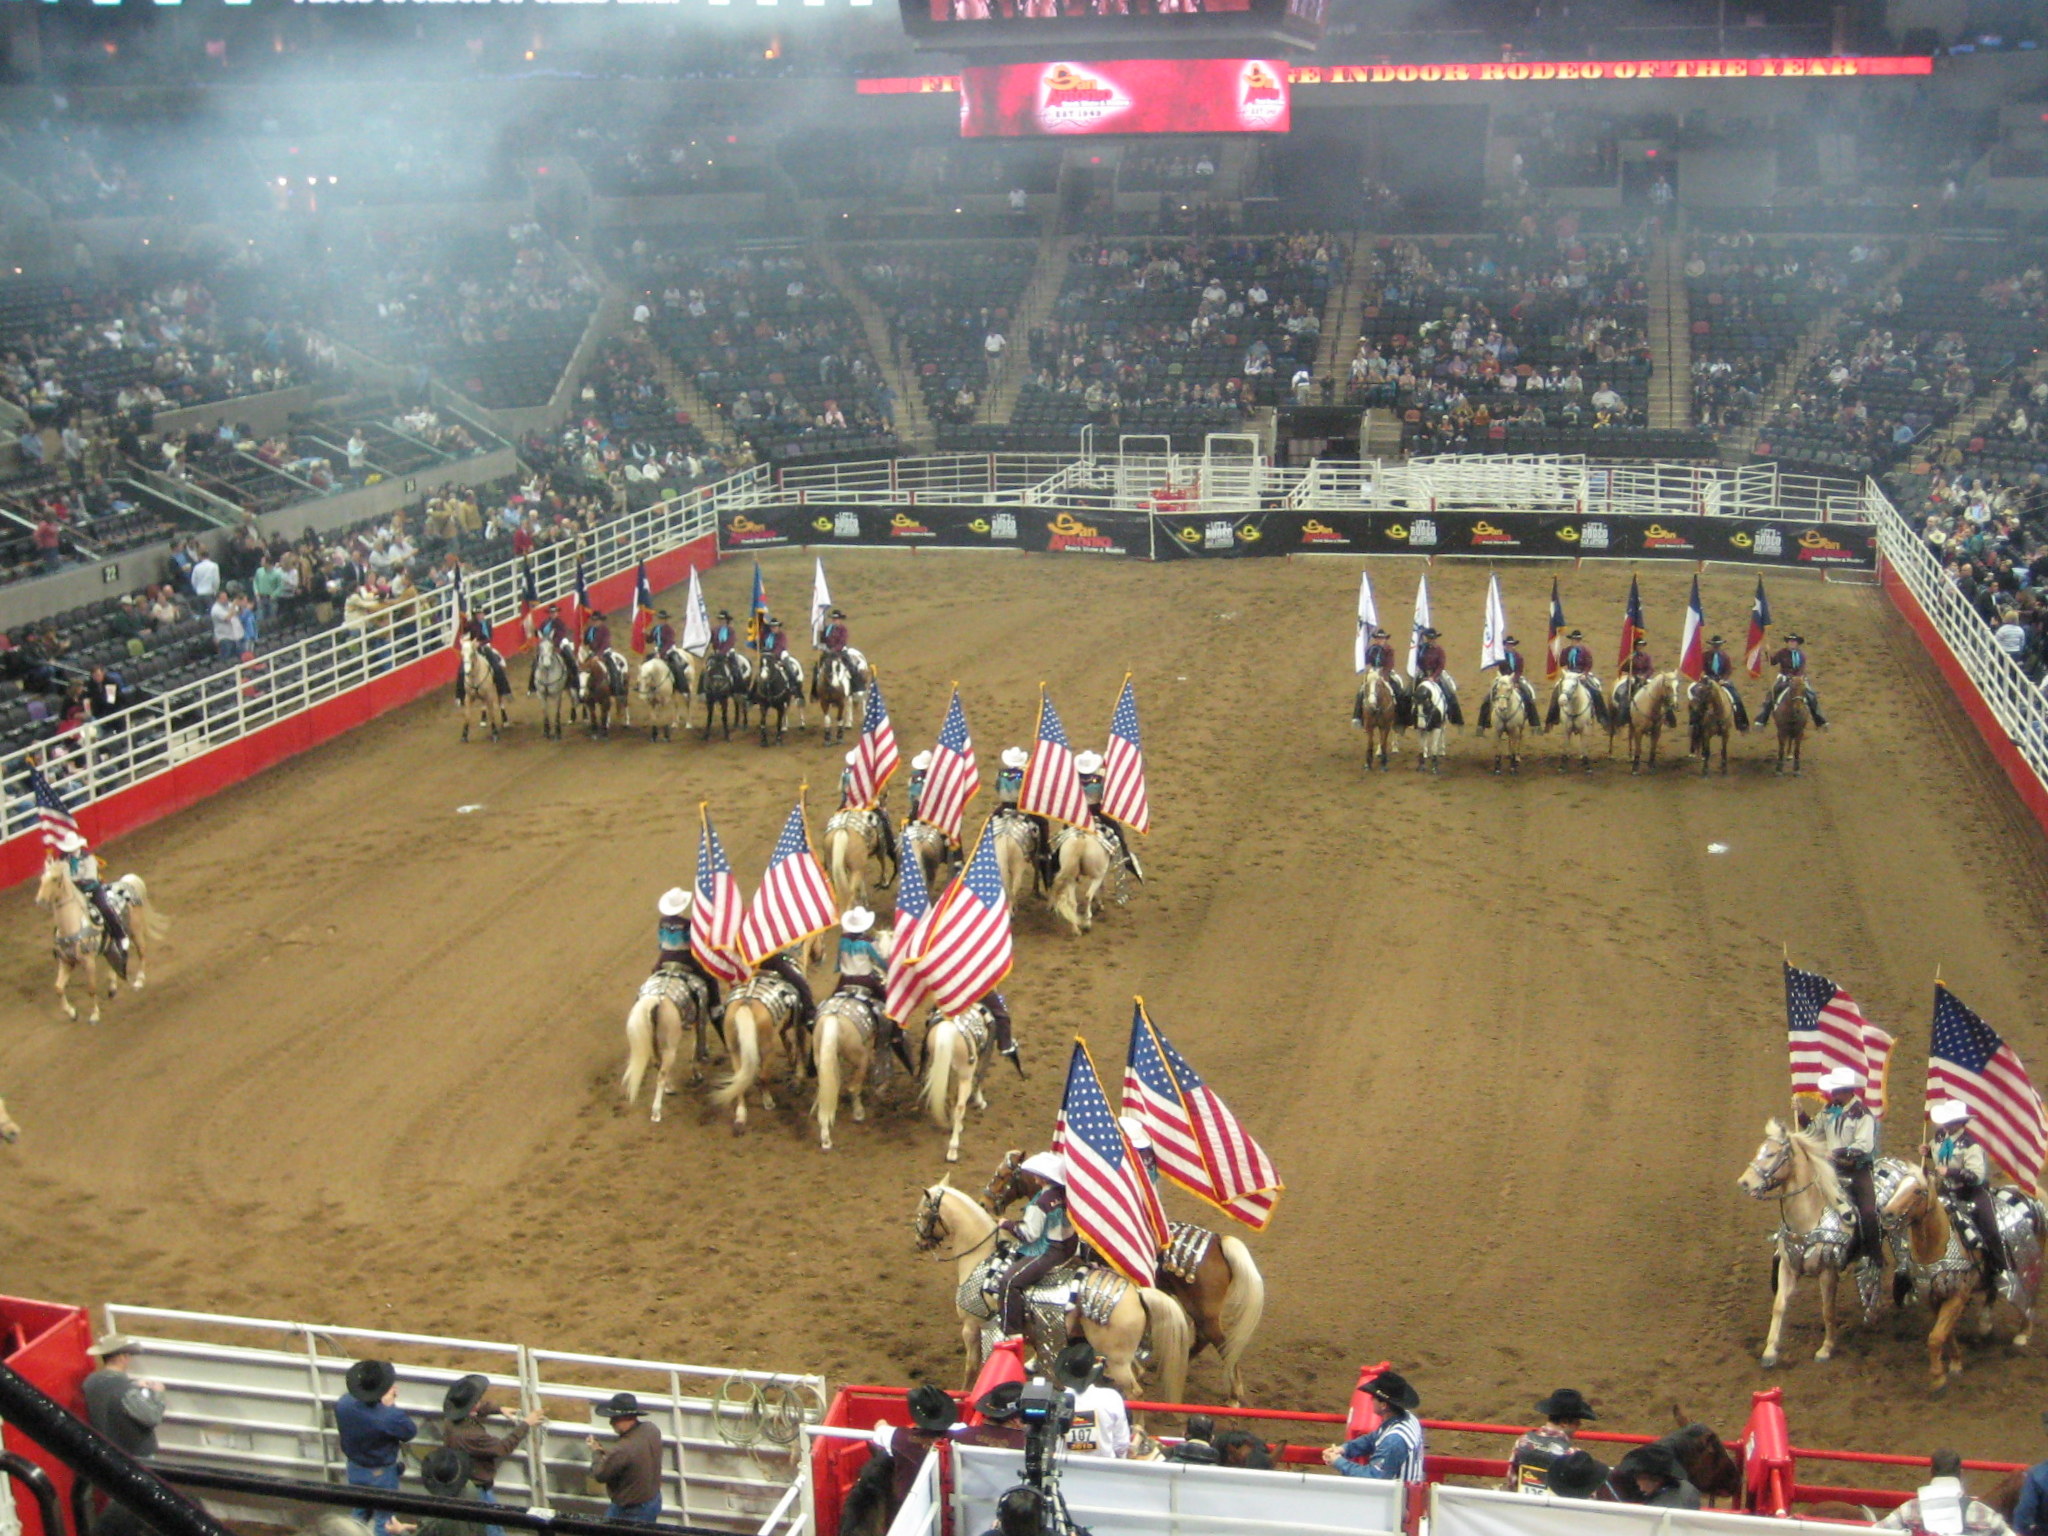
<point x="124" y="1407"/>
<point x="629" y="1469"/>
<point x="1393" y="1452"/>
<point x="463" y="1411"/>
<point x="1943" y="1507"/>
<point x="371" y="1428"/>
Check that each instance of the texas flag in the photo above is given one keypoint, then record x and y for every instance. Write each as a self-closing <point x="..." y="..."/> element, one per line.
<point x="1691" y="643"/>
<point x="1754" y="649"/>
<point x="643" y="607"/>
<point x="1554" y="652"/>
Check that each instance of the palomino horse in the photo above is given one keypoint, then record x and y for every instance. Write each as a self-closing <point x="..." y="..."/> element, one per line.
<point x="656" y="684"/>
<point x="1224" y="1295"/>
<point x="1713" y="719"/>
<point x="854" y="847"/>
<point x="9" y="1131"/>
<point x="670" y="1000"/>
<point x="723" y="687"/>
<point x="844" y="1050"/>
<point x="1577" y="714"/>
<point x="1509" y="713"/>
<point x="1378" y="709"/>
<point x="758" y="1011"/>
<point x="551" y="682"/>
<point x="1649" y="706"/>
<point x="774" y="688"/>
<point x="1947" y="1274"/>
<point x="928" y="844"/>
<point x="952" y="1226"/>
<point x="81" y="938"/>
<point x="1816" y="1226"/>
<point x="1016" y="854"/>
<point x="956" y="1051"/>
<point x="835" y="695"/>
<point x="1082" y="863"/>
<point x="480" y="683"/>
<point x="596" y="695"/>
<point x="1430" y="715"/>
<point x="1791" y="718"/>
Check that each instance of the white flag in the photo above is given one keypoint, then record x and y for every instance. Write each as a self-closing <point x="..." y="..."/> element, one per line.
<point x="1421" y="623"/>
<point x="1368" y="621"/>
<point x="696" y="621"/>
<point x="1492" y="649"/>
<point x="821" y="604"/>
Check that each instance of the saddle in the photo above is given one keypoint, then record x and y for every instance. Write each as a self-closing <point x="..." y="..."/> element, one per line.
<point x="859" y="1004"/>
<point x="682" y="987"/>
<point x="863" y="822"/>
<point x="1186" y="1246"/>
<point x="778" y="994"/>
<point x="972" y="1022"/>
<point x="1084" y="1284"/>
<point x="1014" y="824"/>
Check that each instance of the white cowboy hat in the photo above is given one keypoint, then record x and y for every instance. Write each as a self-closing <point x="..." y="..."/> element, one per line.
<point x="1015" y="757"/>
<point x="1088" y="762"/>
<point x="1047" y="1165"/>
<point x="70" y="842"/>
<point x="921" y="762"/>
<point x="1840" y="1077"/>
<point x="856" y="920"/>
<point x="851" y="756"/>
<point x="675" y="901"/>
<point x="1135" y="1130"/>
<point x="1948" y="1112"/>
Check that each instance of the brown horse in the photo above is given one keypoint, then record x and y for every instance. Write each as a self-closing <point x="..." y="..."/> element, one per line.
<point x="1713" y="719"/>
<point x="1649" y="707"/>
<point x="1377" y="709"/>
<point x="596" y="695"/>
<point x="1224" y="1300"/>
<point x="1791" y="718"/>
<point x="1949" y="1274"/>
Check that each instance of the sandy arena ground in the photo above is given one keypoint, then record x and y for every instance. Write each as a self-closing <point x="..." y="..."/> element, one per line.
<point x="1510" y="1041"/>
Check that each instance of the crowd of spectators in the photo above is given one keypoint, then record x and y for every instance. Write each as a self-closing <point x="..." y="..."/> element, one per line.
<point x="950" y="313"/>
<point x="628" y="435"/>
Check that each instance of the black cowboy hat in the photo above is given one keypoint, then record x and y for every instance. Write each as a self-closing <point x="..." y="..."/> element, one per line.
<point x="931" y="1409"/>
<point x="1642" y="642"/>
<point x="463" y="1396"/>
<point x="725" y="613"/>
<point x="1378" y="634"/>
<point x="369" y="1380"/>
<point x="1509" y="640"/>
<point x="661" y="613"/>
<point x="1392" y="1388"/>
<point x="445" y="1471"/>
<point x="999" y="1403"/>
<point x="1576" y="1476"/>
<point x="1567" y="1403"/>
<point x="1575" y="634"/>
<point x="1795" y="639"/>
<point x="620" y="1405"/>
<point x="1653" y="1460"/>
<point x="1430" y="634"/>
<point x="1715" y="640"/>
<point x="1074" y="1366"/>
<point x="837" y="613"/>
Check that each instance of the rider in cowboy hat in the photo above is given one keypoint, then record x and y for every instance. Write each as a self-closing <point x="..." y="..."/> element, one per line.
<point x="672" y="936"/>
<point x="597" y="640"/>
<point x="84" y="869"/>
<point x="788" y="964"/>
<point x="1044" y="1234"/>
<point x="1790" y="660"/>
<point x="1511" y="665"/>
<point x="1636" y="672"/>
<point x="1430" y="662"/>
<point x="881" y="810"/>
<point x="1009" y="783"/>
<point x="832" y="641"/>
<point x="1089" y="766"/>
<point x="1538" y="1451"/>
<point x="1965" y="1175"/>
<point x="1392" y="1452"/>
<point x="1577" y="659"/>
<point x="553" y="630"/>
<point x="1578" y="1475"/>
<point x="723" y="637"/>
<point x="661" y="641"/>
<point x="920" y="767"/>
<point x="478" y="629"/>
<point x="1717" y="666"/>
<point x="863" y="968"/>
<point x="1850" y="1131"/>
<point x="1380" y="657"/>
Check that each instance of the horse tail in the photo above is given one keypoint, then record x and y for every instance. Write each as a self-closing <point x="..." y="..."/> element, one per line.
<point x="743" y="1039"/>
<point x="825" y="1043"/>
<point x="639" y="1045"/>
<point x="939" y="1046"/>
<point x="146" y="920"/>
<point x="1173" y="1342"/>
<point x="1244" y="1304"/>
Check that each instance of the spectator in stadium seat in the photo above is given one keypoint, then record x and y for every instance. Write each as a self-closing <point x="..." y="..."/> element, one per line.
<point x="205" y="580"/>
<point x="371" y="1427"/>
<point x="630" y="1468"/>
<point x="1943" y="1507"/>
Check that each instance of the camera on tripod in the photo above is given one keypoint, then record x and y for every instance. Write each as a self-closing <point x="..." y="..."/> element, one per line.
<point x="1034" y="1507"/>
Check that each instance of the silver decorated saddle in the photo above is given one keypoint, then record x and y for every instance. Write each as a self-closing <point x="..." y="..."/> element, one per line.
<point x="1087" y="1286"/>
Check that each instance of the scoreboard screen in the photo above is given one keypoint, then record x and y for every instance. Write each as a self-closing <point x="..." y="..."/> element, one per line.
<point x="1006" y="27"/>
<point x="1128" y="96"/>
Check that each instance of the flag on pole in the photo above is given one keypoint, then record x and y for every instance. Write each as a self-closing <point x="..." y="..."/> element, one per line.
<point x="1969" y="1063"/>
<point x="1104" y="1176"/>
<point x="1494" y="632"/>
<point x="1153" y="1098"/>
<point x="1824" y="1029"/>
<point x="715" y="916"/>
<point x="1244" y="1183"/>
<point x="905" y="990"/>
<point x="529" y="594"/>
<point x="579" y="602"/>
<point x="954" y="777"/>
<point x="1554" y="651"/>
<point x="643" y="607"/>
<point x="1123" y="766"/>
<point x="1052" y="784"/>
<point x="53" y="816"/>
<point x="458" y="609"/>
<point x="696" y="619"/>
<point x="967" y="938"/>
<point x="1692" y="639"/>
<point x="821" y="604"/>
<point x="1421" y="623"/>
<point x="757" y="611"/>
<point x="1753" y="651"/>
<point x="1368" y="621"/>
<point x="794" y="900"/>
<point x="1632" y="623"/>
<point x="874" y="755"/>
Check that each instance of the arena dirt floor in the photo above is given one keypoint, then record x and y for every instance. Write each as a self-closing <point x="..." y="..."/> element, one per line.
<point x="1510" y="1041"/>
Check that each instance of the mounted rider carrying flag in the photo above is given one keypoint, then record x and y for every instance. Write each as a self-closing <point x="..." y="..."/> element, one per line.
<point x="881" y="810"/>
<point x="1717" y="668"/>
<point x="834" y="641"/>
<point x="478" y="629"/>
<point x="1965" y="1173"/>
<point x="84" y="870"/>
<point x="673" y="952"/>
<point x="1009" y="785"/>
<point x="661" y="641"/>
<point x="1044" y="1233"/>
<point x="1576" y="660"/>
<point x="1635" y="677"/>
<point x="1089" y="766"/>
<point x="1512" y="665"/>
<point x="554" y="630"/>
<point x="597" y="641"/>
<point x="1430" y="662"/>
<point x="863" y="968"/>
<point x="1850" y="1131"/>
<point x="1380" y="657"/>
<point x="774" y="647"/>
<point x="1790" y="660"/>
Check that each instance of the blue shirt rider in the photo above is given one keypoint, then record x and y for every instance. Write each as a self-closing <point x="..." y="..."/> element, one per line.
<point x="920" y="768"/>
<point x="723" y="637"/>
<point x="1044" y="1237"/>
<point x="84" y="870"/>
<point x="1089" y="766"/>
<point x="1576" y="658"/>
<point x="673" y="914"/>
<point x="1009" y="785"/>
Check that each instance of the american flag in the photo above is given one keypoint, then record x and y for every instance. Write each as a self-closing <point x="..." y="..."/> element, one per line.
<point x="643" y="607"/>
<point x="954" y="777"/>
<point x="1153" y="1097"/>
<point x="1123" y="771"/>
<point x="715" y="917"/>
<point x="53" y="816"/>
<point x="874" y="755"/>
<point x="1632" y="622"/>
<point x="1554" y="655"/>
<point x="967" y="936"/>
<point x="1970" y="1063"/>
<point x="1246" y="1184"/>
<point x="1692" y="660"/>
<point x="794" y="901"/>
<point x="1052" y="785"/>
<point x="1825" y="1029"/>
<point x="906" y="990"/>
<point x="1106" y="1184"/>
<point x="1755" y="650"/>
<point x="581" y="594"/>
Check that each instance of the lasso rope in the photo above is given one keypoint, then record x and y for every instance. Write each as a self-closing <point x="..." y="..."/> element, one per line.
<point x="771" y="1412"/>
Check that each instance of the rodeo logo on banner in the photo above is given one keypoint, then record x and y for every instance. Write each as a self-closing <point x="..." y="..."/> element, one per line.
<point x="742" y="532"/>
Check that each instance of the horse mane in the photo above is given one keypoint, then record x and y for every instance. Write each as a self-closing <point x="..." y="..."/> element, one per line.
<point x="1818" y="1165"/>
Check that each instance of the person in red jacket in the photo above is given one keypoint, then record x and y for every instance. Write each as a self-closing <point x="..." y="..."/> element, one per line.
<point x="1430" y="662"/>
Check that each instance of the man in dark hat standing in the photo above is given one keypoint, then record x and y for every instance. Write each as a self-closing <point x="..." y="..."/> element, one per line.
<point x="126" y="1408"/>
<point x="1543" y="1447"/>
<point x="371" y="1428"/>
<point x="630" y="1468"/>
<point x="463" y="1411"/>
<point x="1393" y="1452"/>
<point x="899" y="1455"/>
<point x="1102" y="1425"/>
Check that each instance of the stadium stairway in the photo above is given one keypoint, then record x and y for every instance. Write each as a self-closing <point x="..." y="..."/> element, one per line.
<point x="1034" y="309"/>
<point x="1670" y="338"/>
<point x="1342" y="311"/>
<point x="684" y="395"/>
<point x="913" y="424"/>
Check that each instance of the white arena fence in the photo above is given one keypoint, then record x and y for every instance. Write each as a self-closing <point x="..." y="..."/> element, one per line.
<point x="1488" y="1512"/>
<point x="246" y="1394"/>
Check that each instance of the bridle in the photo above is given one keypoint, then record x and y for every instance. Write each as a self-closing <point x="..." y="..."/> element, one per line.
<point x="1771" y="1174"/>
<point x="931" y="1230"/>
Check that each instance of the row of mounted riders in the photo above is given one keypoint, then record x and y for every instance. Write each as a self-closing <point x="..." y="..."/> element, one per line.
<point x="1644" y="702"/>
<point x="586" y="675"/>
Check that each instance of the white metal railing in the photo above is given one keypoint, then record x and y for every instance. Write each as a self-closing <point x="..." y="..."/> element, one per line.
<point x="939" y="478"/>
<point x="2015" y="702"/>
<point x="181" y="723"/>
<point x="255" y="1395"/>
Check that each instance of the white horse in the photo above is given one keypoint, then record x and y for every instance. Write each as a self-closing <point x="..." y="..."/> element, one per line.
<point x="669" y="1000"/>
<point x="81" y="938"/>
<point x="9" y="1131"/>
<point x="480" y="685"/>
<point x="1430" y="715"/>
<point x="551" y="680"/>
<point x="956" y="1051"/>
<point x="1573" y="705"/>
<point x="1083" y="863"/>
<point x="1508" y="716"/>
<point x="656" y="685"/>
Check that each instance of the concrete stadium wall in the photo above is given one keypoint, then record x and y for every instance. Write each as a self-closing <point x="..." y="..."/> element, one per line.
<point x="261" y="414"/>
